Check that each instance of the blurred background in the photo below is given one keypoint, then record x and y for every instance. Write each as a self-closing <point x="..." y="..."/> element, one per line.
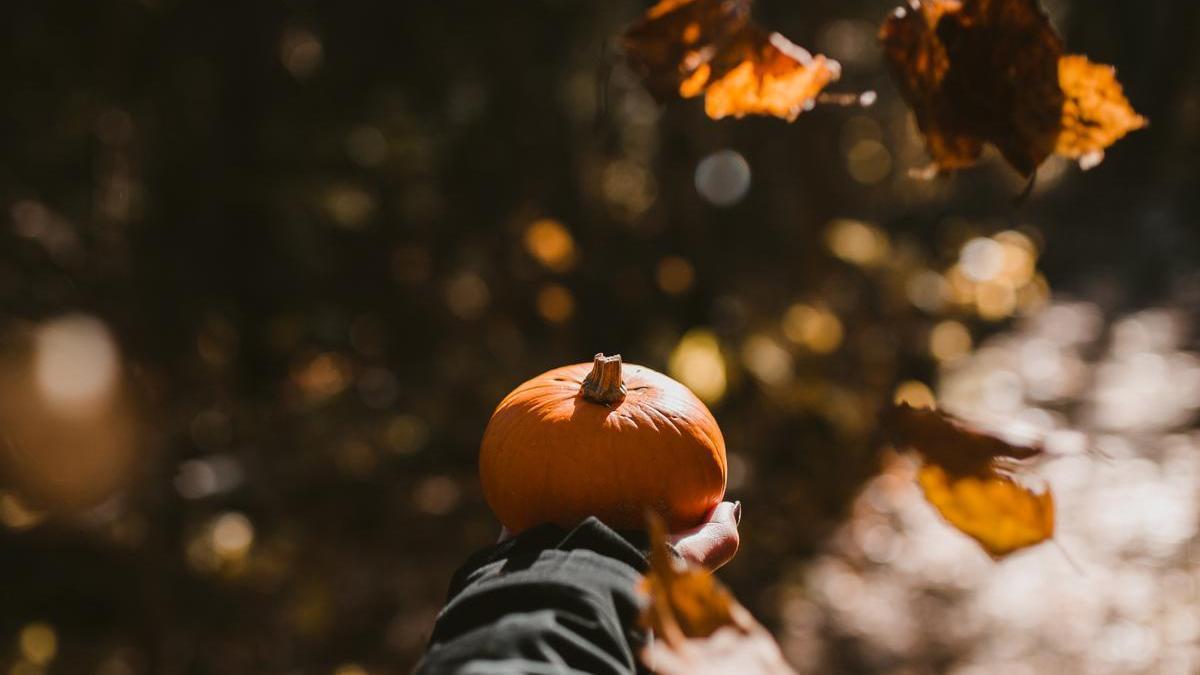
<point x="266" y="267"/>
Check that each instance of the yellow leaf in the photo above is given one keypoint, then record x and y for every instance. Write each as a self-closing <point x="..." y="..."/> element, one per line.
<point x="967" y="476"/>
<point x="993" y="509"/>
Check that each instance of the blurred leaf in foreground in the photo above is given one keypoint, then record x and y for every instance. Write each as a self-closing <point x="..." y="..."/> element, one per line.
<point x="699" y="628"/>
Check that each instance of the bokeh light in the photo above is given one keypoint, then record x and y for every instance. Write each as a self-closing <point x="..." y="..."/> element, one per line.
<point x="231" y="535"/>
<point x="723" y="178"/>
<point x="981" y="259"/>
<point x="767" y="360"/>
<point x="815" y="328"/>
<point x="406" y="434"/>
<point x="367" y="146"/>
<point x="200" y="478"/>
<point x="75" y="363"/>
<point x="16" y="514"/>
<point x="914" y="393"/>
<point x="675" y="275"/>
<point x="437" y="495"/>
<point x="868" y="161"/>
<point x="857" y="242"/>
<point x="697" y="362"/>
<point x="555" y="303"/>
<point x="39" y="643"/>
<point x="549" y="242"/>
<point x="467" y="296"/>
<point x="949" y="340"/>
<point x="322" y="376"/>
<point x="350" y="206"/>
<point x="301" y="52"/>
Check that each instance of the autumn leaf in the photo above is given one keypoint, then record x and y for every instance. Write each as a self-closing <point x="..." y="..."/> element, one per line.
<point x="700" y="628"/>
<point x="972" y="479"/>
<point x="685" y="48"/>
<point x="684" y="602"/>
<point x="994" y="509"/>
<point x="948" y="440"/>
<point x="772" y="76"/>
<point x="978" y="72"/>
<point x="1096" y="113"/>
<point x="676" y="39"/>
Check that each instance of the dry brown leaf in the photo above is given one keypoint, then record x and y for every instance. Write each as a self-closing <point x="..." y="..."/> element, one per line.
<point x="687" y="48"/>
<point x="684" y="602"/>
<point x="975" y="72"/>
<point x="943" y="438"/>
<point x="979" y="72"/>
<point x="970" y="477"/>
<point x="701" y="629"/>
<point x="676" y="39"/>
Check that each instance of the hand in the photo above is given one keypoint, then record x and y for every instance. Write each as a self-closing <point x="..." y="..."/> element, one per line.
<point x="713" y="542"/>
<point x="710" y="544"/>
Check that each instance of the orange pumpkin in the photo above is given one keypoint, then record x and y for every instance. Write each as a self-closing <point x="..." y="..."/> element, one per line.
<point x="599" y="439"/>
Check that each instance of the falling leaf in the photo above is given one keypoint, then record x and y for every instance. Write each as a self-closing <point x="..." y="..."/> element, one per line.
<point x="993" y="509"/>
<point x="773" y="76"/>
<point x="701" y="629"/>
<point x="979" y="72"/>
<point x="686" y="48"/>
<point x="676" y="41"/>
<point x="948" y="440"/>
<point x="1096" y="113"/>
<point x="971" y="478"/>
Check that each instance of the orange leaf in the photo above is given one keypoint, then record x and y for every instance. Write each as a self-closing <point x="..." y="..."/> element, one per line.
<point x="774" y="77"/>
<point x="994" y="510"/>
<point x="1096" y="113"/>
<point x="676" y="39"/>
<point x="702" y="629"/>
<point x="684" y="602"/>
<point x="690" y="47"/>
<point x="968" y="476"/>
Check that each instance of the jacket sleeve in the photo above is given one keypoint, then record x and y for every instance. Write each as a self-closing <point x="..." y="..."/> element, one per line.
<point x="547" y="601"/>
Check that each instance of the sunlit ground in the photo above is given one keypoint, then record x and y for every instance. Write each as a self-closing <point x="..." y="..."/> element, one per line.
<point x="1118" y="591"/>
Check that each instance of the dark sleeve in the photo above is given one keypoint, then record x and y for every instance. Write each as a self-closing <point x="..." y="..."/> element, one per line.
<point x="547" y="601"/>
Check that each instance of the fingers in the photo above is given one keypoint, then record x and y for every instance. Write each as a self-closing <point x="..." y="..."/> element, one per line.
<point x="714" y="542"/>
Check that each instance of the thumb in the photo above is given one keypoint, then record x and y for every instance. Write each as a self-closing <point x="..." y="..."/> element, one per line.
<point x="715" y="541"/>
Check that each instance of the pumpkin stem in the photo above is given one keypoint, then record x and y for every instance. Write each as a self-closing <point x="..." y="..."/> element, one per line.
<point x="603" y="385"/>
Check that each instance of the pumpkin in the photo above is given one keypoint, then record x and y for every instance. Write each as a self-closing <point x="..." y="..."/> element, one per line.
<point x="602" y="439"/>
